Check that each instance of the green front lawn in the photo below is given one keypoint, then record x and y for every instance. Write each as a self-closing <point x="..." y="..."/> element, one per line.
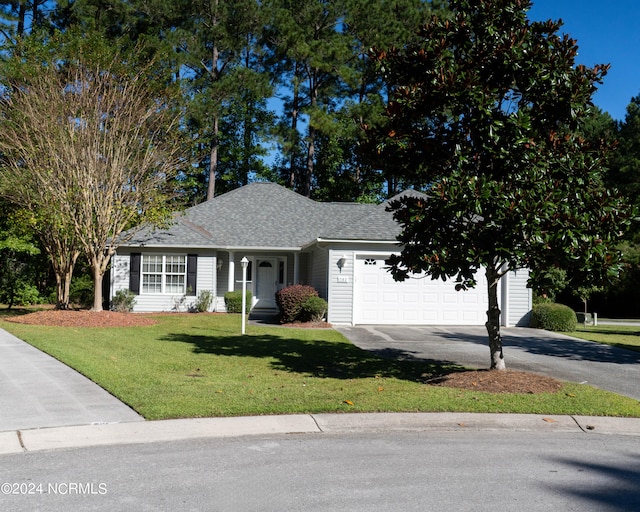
<point x="623" y="336"/>
<point x="199" y="365"/>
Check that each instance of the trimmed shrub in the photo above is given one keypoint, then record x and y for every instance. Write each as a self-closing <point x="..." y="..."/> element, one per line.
<point x="291" y="299"/>
<point x="123" y="301"/>
<point x="81" y="291"/>
<point x="313" y="309"/>
<point x="553" y="317"/>
<point x="20" y="293"/>
<point x="203" y="301"/>
<point x="233" y="301"/>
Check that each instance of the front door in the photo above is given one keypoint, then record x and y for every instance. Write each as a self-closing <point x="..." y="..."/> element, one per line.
<point x="266" y="283"/>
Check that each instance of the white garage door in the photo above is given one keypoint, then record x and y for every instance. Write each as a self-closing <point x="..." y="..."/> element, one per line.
<point x="418" y="301"/>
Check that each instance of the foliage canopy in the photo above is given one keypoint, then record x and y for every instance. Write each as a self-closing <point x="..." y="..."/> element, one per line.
<point x="484" y="116"/>
<point x="89" y="146"/>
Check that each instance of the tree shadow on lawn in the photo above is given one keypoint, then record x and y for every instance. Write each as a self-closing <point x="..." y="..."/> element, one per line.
<point x="317" y="358"/>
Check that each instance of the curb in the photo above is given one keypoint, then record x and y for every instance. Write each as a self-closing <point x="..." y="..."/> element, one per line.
<point x="83" y="436"/>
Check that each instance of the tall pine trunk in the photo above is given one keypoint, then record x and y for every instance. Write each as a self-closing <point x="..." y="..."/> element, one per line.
<point x="295" y="108"/>
<point x="213" y="160"/>
<point x="215" y="136"/>
<point x="308" y="172"/>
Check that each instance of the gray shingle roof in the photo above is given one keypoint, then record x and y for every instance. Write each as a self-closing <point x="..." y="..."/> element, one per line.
<point x="267" y="215"/>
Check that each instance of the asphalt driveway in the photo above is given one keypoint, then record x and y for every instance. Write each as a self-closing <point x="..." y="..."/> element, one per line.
<point x="533" y="350"/>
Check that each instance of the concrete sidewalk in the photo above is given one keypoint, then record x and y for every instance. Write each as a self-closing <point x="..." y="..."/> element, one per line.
<point x="177" y="430"/>
<point x="38" y="391"/>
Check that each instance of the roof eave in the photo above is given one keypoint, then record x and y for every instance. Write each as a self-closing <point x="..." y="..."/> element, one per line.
<point x="213" y="247"/>
<point x="321" y="240"/>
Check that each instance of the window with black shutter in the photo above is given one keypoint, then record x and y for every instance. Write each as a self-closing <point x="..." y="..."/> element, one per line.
<point x="192" y="273"/>
<point x="134" y="272"/>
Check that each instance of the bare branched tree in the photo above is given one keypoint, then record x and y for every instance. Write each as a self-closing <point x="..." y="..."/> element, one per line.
<point x="93" y="148"/>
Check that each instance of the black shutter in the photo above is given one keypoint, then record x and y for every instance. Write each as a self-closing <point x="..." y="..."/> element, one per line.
<point x="106" y="289"/>
<point x="192" y="273"/>
<point x="134" y="272"/>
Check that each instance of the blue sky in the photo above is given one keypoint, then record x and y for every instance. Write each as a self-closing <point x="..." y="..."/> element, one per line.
<point x="607" y="33"/>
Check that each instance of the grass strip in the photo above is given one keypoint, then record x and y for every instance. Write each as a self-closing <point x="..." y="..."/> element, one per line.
<point x="623" y="336"/>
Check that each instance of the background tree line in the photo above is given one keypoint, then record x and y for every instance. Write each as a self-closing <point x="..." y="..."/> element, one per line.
<point x="276" y="90"/>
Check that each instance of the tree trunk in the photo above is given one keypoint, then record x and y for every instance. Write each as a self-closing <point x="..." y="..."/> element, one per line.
<point x="22" y="11"/>
<point x="63" y="265"/>
<point x="63" y="292"/>
<point x="215" y="142"/>
<point x="213" y="161"/>
<point x="99" y="264"/>
<point x="308" y="174"/>
<point x="98" y="274"/>
<point x="294" y="130"/>
<point x="493" y="321"/>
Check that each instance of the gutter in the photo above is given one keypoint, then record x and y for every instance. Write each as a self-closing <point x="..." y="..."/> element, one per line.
<point x="347" y="241"/>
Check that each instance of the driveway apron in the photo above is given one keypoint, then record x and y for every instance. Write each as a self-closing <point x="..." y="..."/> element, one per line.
<point x="532" y="350"/>
<point x="38" y="391"/>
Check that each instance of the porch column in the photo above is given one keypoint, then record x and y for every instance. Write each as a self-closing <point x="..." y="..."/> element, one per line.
<point x="296" y="268"/>
<point x="232" y="272"/>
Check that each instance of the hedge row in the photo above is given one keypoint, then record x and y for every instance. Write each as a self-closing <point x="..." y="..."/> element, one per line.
<point x="233" y="301"/>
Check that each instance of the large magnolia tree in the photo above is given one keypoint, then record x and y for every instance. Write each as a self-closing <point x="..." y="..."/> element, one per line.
<point x="88" y="141"/>
<point x="484" y="114"/>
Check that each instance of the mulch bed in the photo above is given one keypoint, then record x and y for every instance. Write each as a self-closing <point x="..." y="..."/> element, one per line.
<point x="506" y="381"/>
<point x="82" y="318"/>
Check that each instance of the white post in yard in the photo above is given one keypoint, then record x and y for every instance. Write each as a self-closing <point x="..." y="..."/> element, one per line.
<point x="244" y="262"/>
<point x="231" y="283"/>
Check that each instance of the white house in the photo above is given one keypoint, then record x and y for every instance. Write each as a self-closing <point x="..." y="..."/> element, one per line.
<point x="338" y="248"/>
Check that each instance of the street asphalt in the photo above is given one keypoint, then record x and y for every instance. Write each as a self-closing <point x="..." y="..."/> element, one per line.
<point x="46" y="405"/>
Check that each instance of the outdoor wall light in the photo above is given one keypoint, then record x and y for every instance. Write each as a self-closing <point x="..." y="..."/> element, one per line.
<point x="341" y="262"/>
<point x="219" y="264"/>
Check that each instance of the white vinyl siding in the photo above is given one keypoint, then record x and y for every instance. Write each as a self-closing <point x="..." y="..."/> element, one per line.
<point x="318" y="271"/>
<point x="168" y="301"/>
<point x="340" y="287"/>
<point x="517" y="299"/>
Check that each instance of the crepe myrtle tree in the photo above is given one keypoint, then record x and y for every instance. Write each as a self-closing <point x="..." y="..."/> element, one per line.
<point x="484" y="114"/>
<point x="90" y="141"/>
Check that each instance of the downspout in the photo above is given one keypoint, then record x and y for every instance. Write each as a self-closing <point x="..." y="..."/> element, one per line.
<point x="504" y="286"/>
<point x="296" y="268"/>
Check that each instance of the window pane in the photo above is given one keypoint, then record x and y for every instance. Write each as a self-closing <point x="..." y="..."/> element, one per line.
<point x="152" y="264"/>
<point x="175" y="265"/>
<point x="152" y="283"/>
<point x="175" y="284"/>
